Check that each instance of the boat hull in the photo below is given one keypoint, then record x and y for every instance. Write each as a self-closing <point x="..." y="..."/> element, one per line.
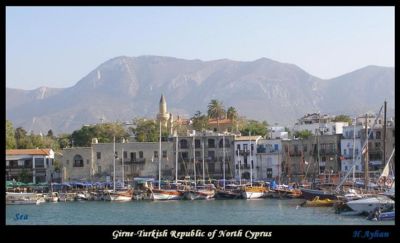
<point x="310" y="194"/>
<point x="367" y="205"/>
<point x="228" y="195"/>
<point x="166" y="195"/>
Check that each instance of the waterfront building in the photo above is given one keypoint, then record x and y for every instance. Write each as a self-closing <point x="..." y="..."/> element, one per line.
<point x="269" y="159"/>
<point x="245" y="156"/>
<point x="213" y="155"/>
<point x="316" y="158"/>
<point x="30" y="165"/>
<point x="375" y="147"/>
<point x="96" y="162"/>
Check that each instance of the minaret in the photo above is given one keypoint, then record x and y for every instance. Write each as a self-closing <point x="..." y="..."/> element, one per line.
<point x="163" y="115"/>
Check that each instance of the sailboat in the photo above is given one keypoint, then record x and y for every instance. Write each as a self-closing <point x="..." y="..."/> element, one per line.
<point x="230" y="191"/>
<point x="206" y="191"/>
<point x="123" y="195"/>
<point x="253" y="192"/>
<point x="164" y="194"/>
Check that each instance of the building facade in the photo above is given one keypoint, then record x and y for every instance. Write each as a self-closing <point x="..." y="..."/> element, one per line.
<point x="31" y="165"/>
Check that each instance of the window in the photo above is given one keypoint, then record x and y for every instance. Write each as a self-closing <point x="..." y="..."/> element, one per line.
<point x="39" y="163"/>
<point x="184" y="155"/>
<point x="78" y="161"/>
<point x="378" y="135"/>
<point x="356" y="167"/>
<point x="211" y="155"/>
<point x="183" y="144"/>
<point x="133" y="155"/>
<point x="245" y="147"/>
<point x="164" y="154"/>
<point x="345" y="167"/>
<point x="21" y="163"/>
<point x="141" y="154"/>
<point x="197" y="154"/>
<point x="356" y="151"/>
<point x="211" y="167"/>
<point x="211" y="143"/>
<point x="155" y="155"/>
<point x="344" y="151"/>
<point x="125" y="154"/>
<point x="238" y="147"/>
<point x="377" y="145"/>
<point x="197" y="143"/>
<point x="98" y="155"/>
<point x="269" y="172"/>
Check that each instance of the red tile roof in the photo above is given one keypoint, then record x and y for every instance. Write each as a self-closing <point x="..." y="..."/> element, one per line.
<point x="28" y="151"/>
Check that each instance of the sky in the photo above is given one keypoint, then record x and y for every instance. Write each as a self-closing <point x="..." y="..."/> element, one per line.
<point x="57" y="46"/>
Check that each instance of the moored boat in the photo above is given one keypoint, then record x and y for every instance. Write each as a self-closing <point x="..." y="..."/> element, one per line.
<point x="310" y="194"/>
<point x="23" y="198"/>
<point x="317" y="202"/>
<point x="366" y="205"/>
<point x="254" y="192"/>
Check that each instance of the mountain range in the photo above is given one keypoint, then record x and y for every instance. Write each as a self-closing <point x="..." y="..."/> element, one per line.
<point x="124" y="88"/>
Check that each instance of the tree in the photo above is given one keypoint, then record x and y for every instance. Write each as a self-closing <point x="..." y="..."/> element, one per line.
<point x="146" y="130"/>
<point x="303" y="134"/>
<point x="255" y="127"/>
<point x="10" y="139"/>
<point x="50" y="134"/>
<point x="103" y="132"/>
<point x="231" y="113"/>
<point x="342" y="118"/>
<point x="216" y="110"/>
<point x="64" y="140"/>
<point x="200" y="121"/>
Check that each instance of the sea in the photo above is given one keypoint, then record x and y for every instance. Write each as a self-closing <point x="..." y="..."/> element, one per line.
<point x="182" y="212"/>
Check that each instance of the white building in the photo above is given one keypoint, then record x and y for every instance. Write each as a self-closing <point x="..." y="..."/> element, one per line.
<point x="277" y="133"/>
<point x="269" y="157"/>
<point x="35" y="163"/>
<point x="245" y="156"/>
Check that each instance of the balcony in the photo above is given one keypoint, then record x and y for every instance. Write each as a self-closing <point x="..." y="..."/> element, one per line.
<point x="135" y="161"/>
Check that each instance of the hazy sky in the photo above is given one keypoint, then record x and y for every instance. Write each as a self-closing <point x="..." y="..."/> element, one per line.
<point x="57" y="46"/>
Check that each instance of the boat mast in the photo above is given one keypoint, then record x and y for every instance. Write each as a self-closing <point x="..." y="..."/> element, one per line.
<point x="194" y="163"/>
<point x="202" y="154"/>
<point x="223" y="156"/>
<point x="384" y="132"/>
<point x="251" y="162"/>
<point x="123" y="172"/>
<point x="366" y="179"/>
<point x="114" y="164"/>
<point x="176" y="159"/>
<point x="159" y="161"/>
<point x="354" y="150"/>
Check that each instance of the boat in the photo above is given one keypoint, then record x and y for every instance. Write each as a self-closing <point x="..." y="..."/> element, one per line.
<point x="283" y="191"/>
<point x="317" y="202"/>
<point x="310" y="194"/>
<point x="253" y="192"/>
<point x="231" y="191"/>
<point x="121" y="196"/>
<point x="160" y="193"/>
<point x="52" y="197"/>
<point x="378" y="215"/>
<point x="366" y="205"/>
<point x="15" y="198"/>
<point x="205" y="192"/>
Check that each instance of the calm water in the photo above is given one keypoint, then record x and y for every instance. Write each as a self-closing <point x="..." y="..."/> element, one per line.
<point x="212" y="212"/>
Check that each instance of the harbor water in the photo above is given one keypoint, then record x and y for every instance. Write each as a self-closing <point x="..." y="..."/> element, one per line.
<point x="210" y="212"/>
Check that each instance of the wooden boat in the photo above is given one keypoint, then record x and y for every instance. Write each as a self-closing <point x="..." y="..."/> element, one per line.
<point x="253" y="192"/>
<point x="121" y="196"/>
<point x="310" y="194"/>
<point x="317" y="202"/>
<point x="166" y="194"/>
<point x="201" y="193"/>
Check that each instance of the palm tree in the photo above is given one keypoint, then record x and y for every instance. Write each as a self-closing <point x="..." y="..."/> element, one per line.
<point x="232" y="115"/>
<point x="216" y="110"/>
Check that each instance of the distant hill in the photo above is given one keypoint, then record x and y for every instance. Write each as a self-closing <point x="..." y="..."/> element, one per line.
<point x="127" y="87"/>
